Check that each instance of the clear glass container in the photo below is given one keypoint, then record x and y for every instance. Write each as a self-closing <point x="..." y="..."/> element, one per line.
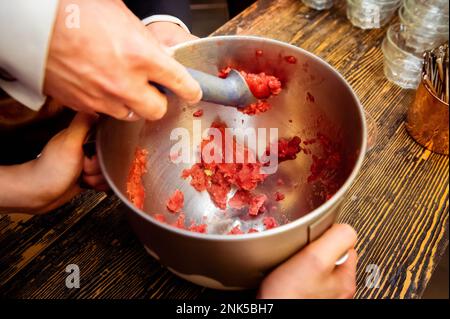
<point x="402" y="65"/>
<point x="423" y="15"/>
<point x="371" y="14"/>
<point x="319" y="4"/>
<point x="419" y="37"/>
<point x="429" y="9"/>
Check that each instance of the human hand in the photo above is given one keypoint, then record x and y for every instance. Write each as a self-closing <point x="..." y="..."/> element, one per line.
<point x="106" y="64"/>
<point x="169" y="33"/>
<point x="312" y="272"/>
<point x="52" y="179"/>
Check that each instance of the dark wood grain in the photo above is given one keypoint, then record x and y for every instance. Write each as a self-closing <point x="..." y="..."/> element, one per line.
<point x="398" y="204"/>
<point x="23" y="238"/>
<point x="112" y="263"/>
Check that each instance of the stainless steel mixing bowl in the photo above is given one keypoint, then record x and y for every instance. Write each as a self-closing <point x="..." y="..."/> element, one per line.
<point x="315" y="99"/>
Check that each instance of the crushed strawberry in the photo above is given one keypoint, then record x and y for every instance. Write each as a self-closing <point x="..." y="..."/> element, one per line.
<point x="287" y="148"/>
<point x="200" y="180"/>
<point x="256" y="108"/>
<point x="256" y="203"/>
<point x="175" y="202"/>
<point x="243" y="199"/>
<point x="201" y="228"/>
<point x="235" y="231"/>
<point x="135" y="186"/>
<point x="198" y="113"/>
<point x="279" y="196"/>
<point x="290" y="59"/>
<point x="327" y="169"/>
<point x="262" y="85"/>
<point x="179" y="223"/>
<point x="270" y="222"/>
<point x="160" y="217"/>
<point x="223" y="74"/>
<point x="217" y="178"/>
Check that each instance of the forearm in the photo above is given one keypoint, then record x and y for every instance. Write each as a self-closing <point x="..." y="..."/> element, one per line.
<point x="15" y="187"/>
<point x="28" y="188"/>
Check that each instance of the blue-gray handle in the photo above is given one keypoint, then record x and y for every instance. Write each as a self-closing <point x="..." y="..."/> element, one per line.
<point x="232" y="91"/>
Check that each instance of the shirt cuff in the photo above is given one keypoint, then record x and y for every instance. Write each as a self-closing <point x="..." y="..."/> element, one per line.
<point x="165" y="18"/>
<point x="26" y="32"/>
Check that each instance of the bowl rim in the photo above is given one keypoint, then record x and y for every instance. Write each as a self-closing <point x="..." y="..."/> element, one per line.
<point x="306" y="219"/>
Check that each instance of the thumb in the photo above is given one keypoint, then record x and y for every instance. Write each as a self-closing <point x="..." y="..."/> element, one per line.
<point x="81" y="124"/>
<point x="79" y="127"/>
<point x="69" y="141"/>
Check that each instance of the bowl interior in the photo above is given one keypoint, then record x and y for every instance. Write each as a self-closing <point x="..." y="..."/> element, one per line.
<point x="316" y="104"/>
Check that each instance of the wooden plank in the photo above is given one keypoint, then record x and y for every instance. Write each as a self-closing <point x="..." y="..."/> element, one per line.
<point x="402" y="218"/>
<point x="112" y="262"/>
<point x="24" y="237"/>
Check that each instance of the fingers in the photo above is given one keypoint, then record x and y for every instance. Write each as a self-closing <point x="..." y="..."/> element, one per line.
<point x="92" y="175"/>
<point x="148" y="102"/>
<point x="116" y="108"/>
<point x="93" y="180"/>
<point x="91" y="166"/>
<point x="166" y="71"/>
<point x="131" y="116"/>
<point x="344" y="276"/>
<point x="107" y="104"/>
<point x="348" y="269"/>
<point x="332" y="245"/>
<point x="79" y="127"/>
<point x="312" y="273"/>
<point x="64" y="152"/>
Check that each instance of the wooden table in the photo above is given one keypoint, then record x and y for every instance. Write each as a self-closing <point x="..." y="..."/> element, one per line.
<point x="399" y="203"/>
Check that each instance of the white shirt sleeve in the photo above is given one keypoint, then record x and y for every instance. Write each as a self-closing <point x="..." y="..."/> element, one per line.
<point x="165" y="18"/>
<point x="25" y="32"/>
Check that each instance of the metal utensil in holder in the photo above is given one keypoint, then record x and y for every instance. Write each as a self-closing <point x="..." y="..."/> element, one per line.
<point x="428" y="116"/>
